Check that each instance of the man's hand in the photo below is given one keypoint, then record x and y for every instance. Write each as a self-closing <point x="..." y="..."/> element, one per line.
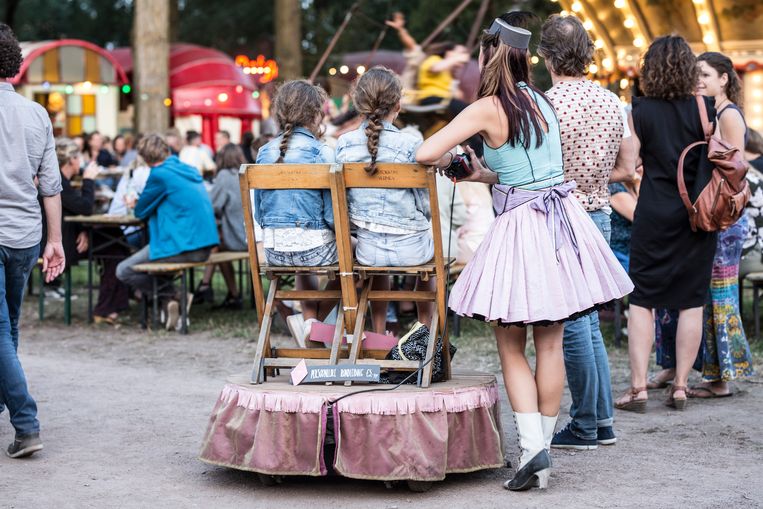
<point x="91" y="172"/>
<point x="53" y="260"/>
<point x="82" y="242"/>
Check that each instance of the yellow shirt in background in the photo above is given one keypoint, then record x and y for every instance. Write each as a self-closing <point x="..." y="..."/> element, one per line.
<point x="437" y="84"/>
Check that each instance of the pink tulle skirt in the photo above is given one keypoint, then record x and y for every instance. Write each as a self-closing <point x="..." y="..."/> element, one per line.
<point x="543" y="261"/>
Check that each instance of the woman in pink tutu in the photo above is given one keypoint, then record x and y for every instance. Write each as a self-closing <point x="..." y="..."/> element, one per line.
<point x="543" y="261"/>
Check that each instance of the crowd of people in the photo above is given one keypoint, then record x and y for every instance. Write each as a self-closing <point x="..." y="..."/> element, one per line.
<point x="571" y="202"/>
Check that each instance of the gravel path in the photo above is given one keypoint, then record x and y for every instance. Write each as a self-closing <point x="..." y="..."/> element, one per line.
<point x="123" y="413"/>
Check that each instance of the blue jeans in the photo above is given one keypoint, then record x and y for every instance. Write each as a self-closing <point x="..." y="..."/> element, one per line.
<point x="15" y="267"/>
<point x="587" y="365"/>
<point x="394" y="250"/>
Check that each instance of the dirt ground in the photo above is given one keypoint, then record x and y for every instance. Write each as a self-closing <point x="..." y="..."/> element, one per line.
<point x="123" y="413"/>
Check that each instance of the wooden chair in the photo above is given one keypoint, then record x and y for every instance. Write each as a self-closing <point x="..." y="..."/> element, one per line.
<point x="390" y="176"/>
<point x="294" y="176"/>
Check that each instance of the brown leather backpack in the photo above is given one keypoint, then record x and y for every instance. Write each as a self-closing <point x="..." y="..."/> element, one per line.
<point x="721" y="203"/>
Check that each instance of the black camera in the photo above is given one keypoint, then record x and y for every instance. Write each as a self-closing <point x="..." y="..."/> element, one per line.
<point x="459" y="168"/>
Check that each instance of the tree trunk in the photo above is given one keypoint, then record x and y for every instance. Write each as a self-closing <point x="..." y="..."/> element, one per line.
<point x="288" y="30"/>
<point x="10" y="12"/>
<point x="151" y="64"/>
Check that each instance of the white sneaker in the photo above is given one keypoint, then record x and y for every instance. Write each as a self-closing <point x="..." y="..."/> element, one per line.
<point x="173" y="313"/>
<point x="296" y="324"/>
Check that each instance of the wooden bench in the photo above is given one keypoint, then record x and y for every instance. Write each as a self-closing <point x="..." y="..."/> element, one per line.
<point x="351" y="310"/>
<point x="171" y="269"/>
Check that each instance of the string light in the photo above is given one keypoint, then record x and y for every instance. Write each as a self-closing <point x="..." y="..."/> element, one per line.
<point x="344" y="69"/>
<point x="534" y="59"/>
<point x="619" y="4"/>
<point x="222" y="97"/>
<point x="593" y="68"/>
<point x="638" y="42"/>
<point x="167" y="102"/>
<point x="332" y="71"/>
<point x="577" y="7"/>
<point x="599" y="43"/>
<point x="629" y="23"/>
<point x="361" y="69"/>
<point x="588" y="24"/>
<point x="624" y="83"/>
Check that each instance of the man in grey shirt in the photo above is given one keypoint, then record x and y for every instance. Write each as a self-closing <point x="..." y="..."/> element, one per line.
<point x="27" y="152"/>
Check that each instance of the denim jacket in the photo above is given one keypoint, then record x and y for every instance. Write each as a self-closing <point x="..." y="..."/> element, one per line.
<point x="295" y="208"/>
<point x="401" y="208"/>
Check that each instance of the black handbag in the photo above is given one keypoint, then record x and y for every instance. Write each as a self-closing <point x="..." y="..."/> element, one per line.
<point x="414" y="348"/>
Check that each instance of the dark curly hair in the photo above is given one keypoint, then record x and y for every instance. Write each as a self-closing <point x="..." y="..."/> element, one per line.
<point x="10" y="53"/>
<point x="565" y="45"/>
<point x="669" y="70"/>
<point x="723" y="65"/>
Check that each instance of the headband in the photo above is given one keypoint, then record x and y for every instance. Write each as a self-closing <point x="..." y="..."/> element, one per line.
<point x="512" y="36"/>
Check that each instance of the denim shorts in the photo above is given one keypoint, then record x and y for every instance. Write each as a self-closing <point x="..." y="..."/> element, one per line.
<point x="392" y="249"/>
<point x="316" y="257"/>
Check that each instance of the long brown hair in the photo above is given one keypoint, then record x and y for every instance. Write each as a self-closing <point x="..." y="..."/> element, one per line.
<point x="502" y="68"/>
<point x="722" y="65"/>
<point x="376" y="94"/>
<point x="297" y="104"/>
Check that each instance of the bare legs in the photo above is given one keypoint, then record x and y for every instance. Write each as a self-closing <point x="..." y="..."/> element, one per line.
<point x="641" y="338"/>
<point x="688" y="337"/>
<point x="528" y="393"/>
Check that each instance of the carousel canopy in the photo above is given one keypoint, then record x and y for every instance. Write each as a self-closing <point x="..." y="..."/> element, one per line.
<point x="68" y="61"/>
<point x="624" y="28"/>
<point x="204" y="81"/>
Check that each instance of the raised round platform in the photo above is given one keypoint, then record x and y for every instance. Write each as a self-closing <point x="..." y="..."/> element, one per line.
<point x="409" y="433"/>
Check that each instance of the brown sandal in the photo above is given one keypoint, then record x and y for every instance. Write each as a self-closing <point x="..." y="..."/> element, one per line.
<point x="677" y="403"/>
<point x="634" y="404"/>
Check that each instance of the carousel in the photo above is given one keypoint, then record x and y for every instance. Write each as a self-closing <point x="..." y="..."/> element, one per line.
<point x="623" y="29"/>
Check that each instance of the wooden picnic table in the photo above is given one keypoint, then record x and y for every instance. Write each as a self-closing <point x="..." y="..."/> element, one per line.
<point x="106" y="223"/>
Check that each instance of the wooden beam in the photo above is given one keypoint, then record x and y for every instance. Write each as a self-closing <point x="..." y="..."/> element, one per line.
<point x="444" y="23"/>
<point x="333" y="42"/>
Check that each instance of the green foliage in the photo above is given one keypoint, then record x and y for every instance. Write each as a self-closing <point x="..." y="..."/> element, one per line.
<point x="98" y="21"/>
<point x="246" y="26"/>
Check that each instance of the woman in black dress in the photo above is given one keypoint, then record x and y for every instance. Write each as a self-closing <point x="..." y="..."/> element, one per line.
<point x="670" y="265"/>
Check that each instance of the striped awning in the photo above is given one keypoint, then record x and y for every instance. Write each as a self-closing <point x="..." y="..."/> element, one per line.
<point x="68" y="61"/>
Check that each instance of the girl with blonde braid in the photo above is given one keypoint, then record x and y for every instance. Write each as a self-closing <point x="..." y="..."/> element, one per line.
<point x="298" y="224"/>
<point x="393" y="227"/>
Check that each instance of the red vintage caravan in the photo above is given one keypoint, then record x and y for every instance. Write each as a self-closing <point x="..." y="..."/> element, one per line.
<point x="208" y="91"/>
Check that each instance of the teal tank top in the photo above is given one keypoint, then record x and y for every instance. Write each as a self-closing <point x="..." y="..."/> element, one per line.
<point x="532" y="168"/>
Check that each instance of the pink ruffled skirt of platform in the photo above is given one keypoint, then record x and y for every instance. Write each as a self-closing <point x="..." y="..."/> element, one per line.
<point x="543" y="261"/>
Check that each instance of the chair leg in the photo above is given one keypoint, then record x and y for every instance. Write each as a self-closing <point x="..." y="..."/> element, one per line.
<point x="426" y="377"/>
<point x="184" y="302"/>
<point x="263" y="340"/>
<point x="154" y="303"/>
<point x="360" y="318"/>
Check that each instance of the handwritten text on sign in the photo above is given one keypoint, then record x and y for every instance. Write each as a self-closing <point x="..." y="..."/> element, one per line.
<point x="341" y="373"/>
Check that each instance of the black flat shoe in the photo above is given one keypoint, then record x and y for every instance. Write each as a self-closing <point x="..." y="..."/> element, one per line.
<point x="230" y="302"/>
<point x="534" y="474"/>
<point x="204" y="293"/>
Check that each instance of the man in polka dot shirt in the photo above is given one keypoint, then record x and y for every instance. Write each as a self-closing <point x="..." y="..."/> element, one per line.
<point x="596" y="150"/>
